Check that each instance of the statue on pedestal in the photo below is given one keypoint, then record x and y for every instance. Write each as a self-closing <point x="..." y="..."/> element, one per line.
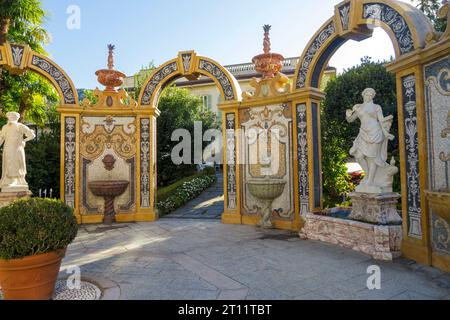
<point x="374" y="200"/>
<point x="370" y="147"/>
<point x="14" y="167"/>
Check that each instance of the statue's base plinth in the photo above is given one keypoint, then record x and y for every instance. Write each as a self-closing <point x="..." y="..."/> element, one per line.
<point x="375" y="208"/>
<point x="379" y="241"/>
<point x="7" y="197"/>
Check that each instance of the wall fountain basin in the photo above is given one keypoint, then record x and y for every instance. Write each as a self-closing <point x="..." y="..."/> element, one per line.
<point x="266" y="191"/>
<point x="109" y="190"/>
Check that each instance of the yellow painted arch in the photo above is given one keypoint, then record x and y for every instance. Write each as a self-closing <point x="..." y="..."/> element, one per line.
<point x="188" y="64"/>
<point x="332" y="34"/>
<point x="19" y="58"/>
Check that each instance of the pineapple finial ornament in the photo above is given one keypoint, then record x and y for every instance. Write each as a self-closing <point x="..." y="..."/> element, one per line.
<point x="110" y="78"/>
<point x="111" y="48"/>
<point x="267" y="44"/>
<point x="268" y="64"/>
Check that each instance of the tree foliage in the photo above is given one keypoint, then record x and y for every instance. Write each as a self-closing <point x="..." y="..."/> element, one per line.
<point x="343" y="93"/>
<point x="179" y="110"/>
<point x="430" y="8"/>
<point x="29" y="94"/>
<point x="43" y="162"/>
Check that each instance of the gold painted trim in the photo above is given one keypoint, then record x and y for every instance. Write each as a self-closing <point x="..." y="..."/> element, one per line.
<point x="194" y="71"/>
<point x="2" y="55"/>
<point x="431" y="53"/>
<point x="359" y="29"/>
<point x="55" y="84"/>
<point x="441" y="261"/>
<point x="416" y="249"/>
<point x="233" y="81"/>
<point x="231" y="218"/>
<point x="227" y="210"/>
<point x="27" y="52"/>
<point x="192" y="64"/>
<point x="138" y="165"/>
<point x="225" y="167"/>
<point x="161" y="83"/>
<point x="316" y="56"/>
<point x="297" y="213"/>
<point x="252" y="220"/>
<point x="408" y="12"/>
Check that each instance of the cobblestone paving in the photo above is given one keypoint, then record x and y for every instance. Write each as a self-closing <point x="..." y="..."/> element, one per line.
<point x="204" y="259"/>
<point x="209" y="205"/>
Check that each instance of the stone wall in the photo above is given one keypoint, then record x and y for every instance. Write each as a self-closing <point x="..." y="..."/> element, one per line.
<point x="380" y="242"/>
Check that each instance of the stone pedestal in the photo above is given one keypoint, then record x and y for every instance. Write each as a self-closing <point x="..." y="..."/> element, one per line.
<point x="380" y="242"/>
<point x="375" y="208"/>
<point x="7" y="197"/>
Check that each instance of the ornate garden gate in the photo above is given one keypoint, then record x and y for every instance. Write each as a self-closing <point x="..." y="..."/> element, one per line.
<point x="422" y="70"/>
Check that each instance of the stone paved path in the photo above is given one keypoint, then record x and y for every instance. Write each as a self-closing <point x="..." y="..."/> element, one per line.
<point x="209" y="205"/>
<point x="204" y="259"/>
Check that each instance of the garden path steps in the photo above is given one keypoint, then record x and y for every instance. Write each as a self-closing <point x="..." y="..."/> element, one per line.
<point x="209" y="205"/>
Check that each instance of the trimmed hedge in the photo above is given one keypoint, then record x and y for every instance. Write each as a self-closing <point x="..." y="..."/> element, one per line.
<point x="35" y="226"/>
<point x="187" y="191"/>
<point x="166" y="192"/>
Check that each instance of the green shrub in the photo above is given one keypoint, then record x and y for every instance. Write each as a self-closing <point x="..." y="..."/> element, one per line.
<point x="35" y="226"/>
<point x="209" y="171"/>
<point x="187" y="191"/>
<point x="338" y="135"/>
<point x="180" y="109"/>
<point x="164" y="193"/>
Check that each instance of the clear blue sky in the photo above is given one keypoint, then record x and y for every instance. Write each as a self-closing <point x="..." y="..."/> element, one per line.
<point x="227" y="31"/>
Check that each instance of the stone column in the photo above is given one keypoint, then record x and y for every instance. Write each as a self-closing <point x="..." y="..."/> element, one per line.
<point x="230" y="123"/>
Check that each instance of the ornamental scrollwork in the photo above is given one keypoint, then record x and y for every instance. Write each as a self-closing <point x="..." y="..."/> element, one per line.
<point x="53" y="72"/>
<point x="395" y="21"/>
<point x="155" y="80"/>
<point x="302" y="151"/>
<point x="412" y="159"/>
<point x="220" y="76"/>
<point x="318" y="42"/>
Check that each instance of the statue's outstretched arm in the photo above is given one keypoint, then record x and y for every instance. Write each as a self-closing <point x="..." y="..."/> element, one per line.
<point x="351" y="114"/>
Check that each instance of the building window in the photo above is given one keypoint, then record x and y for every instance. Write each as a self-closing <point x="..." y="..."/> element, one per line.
<point x="206" y="102"/>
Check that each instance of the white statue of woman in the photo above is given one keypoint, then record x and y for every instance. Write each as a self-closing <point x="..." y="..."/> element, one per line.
<point x="370" y="147"/>
<point x="14" y="167"/>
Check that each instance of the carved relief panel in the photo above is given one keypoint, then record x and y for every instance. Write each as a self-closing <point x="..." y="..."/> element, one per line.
<point x="107" y="152"/>
<point x="437" y="95"/>
<point x="266" y="153"/>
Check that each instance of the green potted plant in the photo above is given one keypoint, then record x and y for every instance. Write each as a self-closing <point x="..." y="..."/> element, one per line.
<point x="34" y="235"/>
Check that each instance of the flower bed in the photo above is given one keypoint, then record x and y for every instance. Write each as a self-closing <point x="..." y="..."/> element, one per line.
<point x="187" y="191"/>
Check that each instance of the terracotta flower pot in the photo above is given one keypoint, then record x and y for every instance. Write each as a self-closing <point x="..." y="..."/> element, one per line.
<point x="30" y="278"/>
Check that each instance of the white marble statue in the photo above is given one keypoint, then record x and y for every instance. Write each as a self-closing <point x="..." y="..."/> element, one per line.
<point x="14" y="167"/>
<point x="370" y="147"/>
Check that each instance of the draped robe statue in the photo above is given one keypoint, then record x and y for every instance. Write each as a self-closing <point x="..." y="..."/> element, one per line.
<point x="14" y="167"/>
<point x="370" y="147"/>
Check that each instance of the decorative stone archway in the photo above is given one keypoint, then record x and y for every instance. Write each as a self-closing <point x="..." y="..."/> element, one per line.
<point x="190" y="65"/>
<point x="19" y="58"/>
<point x="416" y="45"/>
